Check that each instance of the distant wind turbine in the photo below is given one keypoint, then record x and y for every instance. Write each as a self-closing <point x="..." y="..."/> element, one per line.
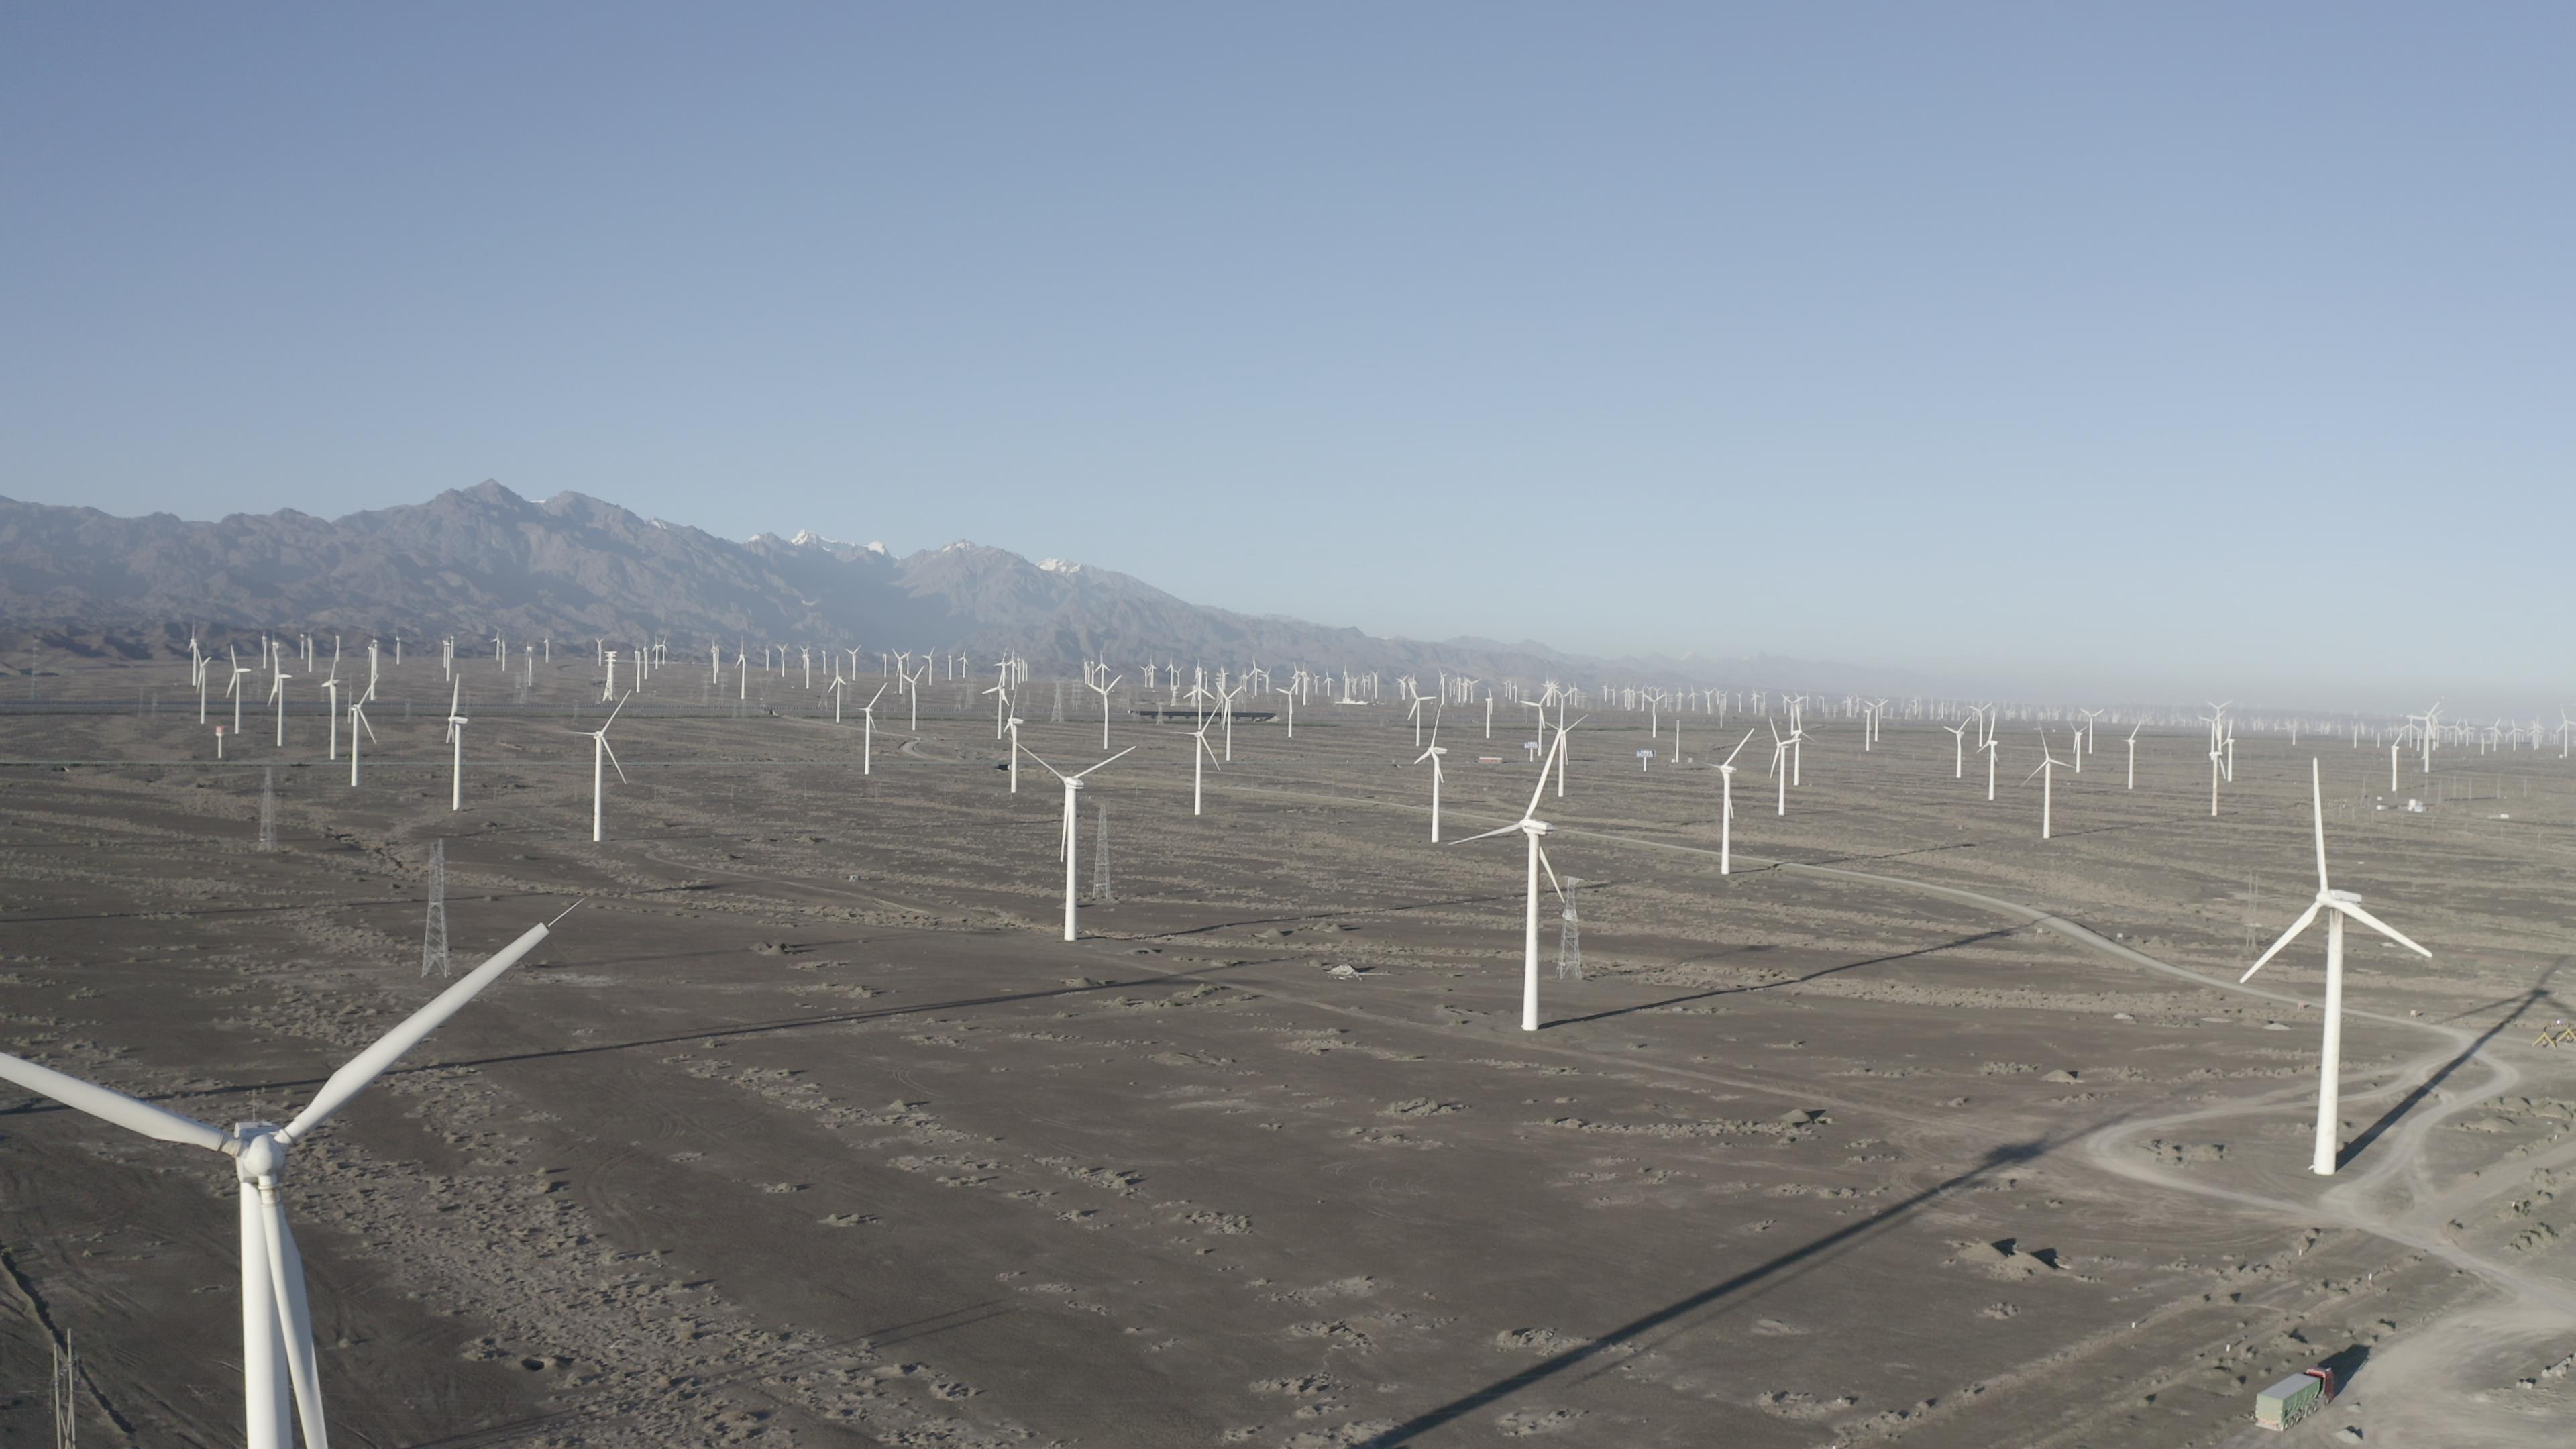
<point x="1072" y="838"/>
<point x="602" y="759"/>
<point x="1533" y="828"/>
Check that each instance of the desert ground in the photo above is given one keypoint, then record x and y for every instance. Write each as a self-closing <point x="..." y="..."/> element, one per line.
<point x="806" y="1127"/>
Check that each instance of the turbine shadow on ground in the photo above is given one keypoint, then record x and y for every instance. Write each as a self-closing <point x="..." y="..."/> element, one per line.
<point x="1476" y="900"/>
<point x="1791" y="981"/>
<point x="40" y="1105"/>
<point x="1671" y="1314"/>
<point x="2352" y="1150"/>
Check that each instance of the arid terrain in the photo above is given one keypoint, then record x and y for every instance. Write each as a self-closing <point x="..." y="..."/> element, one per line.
<point x="806" y="1128"/>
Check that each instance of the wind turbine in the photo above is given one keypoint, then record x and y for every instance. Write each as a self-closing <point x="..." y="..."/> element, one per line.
<point x="277" y="1321"/>
<point x="456" y="740"/>
<point x="1013" y="725"/>
<point x="357" y="723"/>
<point x="2336" y="905"/>
<point x="1779" y="757"/>
<point x="1531" y="826"/>
<point x="1726" y="814"/>
<point x="331" y="714"/>
<point x="2046" y="774"/>
<point x="1202" y="755"/>
<point x="1992" y="754"/>
<point x="1958" y="750"/>
<point x="1072" y="793"/>
<point x="277" y="691"/>
<point x="1433" y="754"/>
<point x="602" y="758"/>
<point x="868" y="731"/>
<point x="1103" y="691"/>
<point x="2133" y="752"/>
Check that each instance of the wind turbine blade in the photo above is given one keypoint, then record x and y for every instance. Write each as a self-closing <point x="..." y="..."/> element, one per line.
<point x="2316" y="785"/>
<point x="1551" y="873"/>
<point x="2033" y="775"/>
<point x="1113" y="759"/>
<point x="1739" y="747"/>
<point x="2306" y="917"/>
<point x="114" y="1106"/>
<point x="1487" y="835"/>
<point x="621" y="706"/>
<point x="880" y="694"/>
<point x="2353" y="910"/>
<point x="1531" y="810"/>
<point x="367" y="1065"/>
<point x="294" y="1317"/>
<point x="611" y="751"/>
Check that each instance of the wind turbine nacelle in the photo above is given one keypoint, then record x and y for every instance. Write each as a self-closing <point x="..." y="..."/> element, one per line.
<point x="1536" y="827"/>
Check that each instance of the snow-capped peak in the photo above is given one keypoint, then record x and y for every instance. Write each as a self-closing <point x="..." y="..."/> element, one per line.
<point x="1059" y="566"/>
<point x="873" y="546"/>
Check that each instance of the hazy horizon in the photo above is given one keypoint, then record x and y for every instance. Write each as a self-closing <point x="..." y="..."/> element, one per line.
<point x="2168" y="355"/>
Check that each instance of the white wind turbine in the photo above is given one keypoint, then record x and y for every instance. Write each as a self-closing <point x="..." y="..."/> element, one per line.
<point x="2133" y="752"/>
<point x="1103" y="691"/>
<point x="331" y="714"/>
<point x="1992" y="754"/>
<point x="2046" y="774"/>
<point x="456" y="723"/>
<point x="1071" y="837"/>
<point x="357" y="724"/>
<point x="602" y="759"/>
<point x="1013" y="725"/>
<point x="868" y="731"/>
<point x="1433" y="754"/>
<point x="1726" y="812"/>
<point x="2336" y="905"/>
<point x="1780" y="757"/>
<point x="1531" y="826"/>
<point x="277" y="1321"/>
<point x="1202" y="755"/>
<point x="277" y="691"/>
<point x="1958" y="750"/>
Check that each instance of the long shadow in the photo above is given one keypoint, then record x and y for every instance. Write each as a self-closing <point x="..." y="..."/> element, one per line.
<point x="1634" y="1328"/>
<point x="39" y="1105"/>
<point x="1791" y="981"/>
<point x="1483" y="900"/>
<point x="2352" y="1150"/>
<point x="201" y="912"/>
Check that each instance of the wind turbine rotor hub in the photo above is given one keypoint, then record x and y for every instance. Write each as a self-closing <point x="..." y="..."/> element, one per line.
<point x="262" y="1156"/>
<point x="1536" y="827"/>
<point x="2339" y="897"/>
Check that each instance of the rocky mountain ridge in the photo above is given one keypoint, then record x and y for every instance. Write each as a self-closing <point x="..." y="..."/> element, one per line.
<point x="480" y="561"/>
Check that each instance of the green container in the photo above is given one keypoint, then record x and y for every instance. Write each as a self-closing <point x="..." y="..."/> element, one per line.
<point x="2289" y="1401"/>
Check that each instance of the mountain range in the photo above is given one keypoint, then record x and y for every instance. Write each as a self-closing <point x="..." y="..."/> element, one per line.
<point x="480" y="561"/>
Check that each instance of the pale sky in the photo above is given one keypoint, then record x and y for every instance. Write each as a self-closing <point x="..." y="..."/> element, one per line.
<point x="2172" y="351"/>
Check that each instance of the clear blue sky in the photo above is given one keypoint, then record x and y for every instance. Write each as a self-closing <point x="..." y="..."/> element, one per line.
<point x="2160" y="350"/>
